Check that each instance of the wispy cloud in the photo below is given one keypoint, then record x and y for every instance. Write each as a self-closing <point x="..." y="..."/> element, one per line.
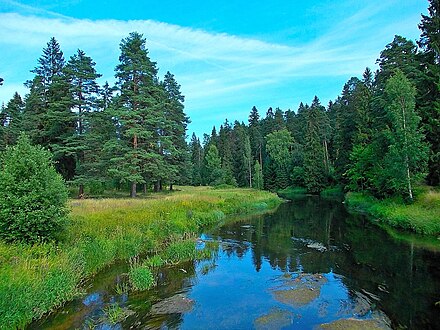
<point x="215" y="70"/>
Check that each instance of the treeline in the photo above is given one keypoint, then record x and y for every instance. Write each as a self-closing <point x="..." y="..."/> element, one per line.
<point x="381" y="135"/>
<point x="130" y="134"/>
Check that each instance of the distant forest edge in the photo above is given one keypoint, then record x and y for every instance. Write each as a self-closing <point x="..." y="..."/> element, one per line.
<point x="381" y="135"/>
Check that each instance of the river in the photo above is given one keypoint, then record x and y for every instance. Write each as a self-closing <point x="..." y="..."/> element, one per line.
<point x="307" y="265"/>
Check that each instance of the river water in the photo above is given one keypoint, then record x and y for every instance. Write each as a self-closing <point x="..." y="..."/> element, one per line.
<point x="309" y="264"/>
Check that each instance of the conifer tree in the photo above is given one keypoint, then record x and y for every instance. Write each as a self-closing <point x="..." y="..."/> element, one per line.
<point x="48" y="117"/>
<point x="138" y="111"/>
<point x="176" y="123"/>
<point x="215" y="174"/>
<point x="429" y="89"/>
<point x="81" y="74"/>
<point x="12" y="120"/>
<point x="315" y="177"/>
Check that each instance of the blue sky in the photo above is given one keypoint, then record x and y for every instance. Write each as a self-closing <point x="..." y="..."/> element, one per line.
<point x="227" y="55"/>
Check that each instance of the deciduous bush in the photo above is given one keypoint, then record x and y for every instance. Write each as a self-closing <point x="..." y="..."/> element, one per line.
<point x="33" y="195"/>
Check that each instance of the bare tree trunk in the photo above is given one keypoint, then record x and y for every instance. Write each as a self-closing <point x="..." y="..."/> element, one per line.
<point x="171" y="187"/>
<point x="408" y="176"/>
<point x="133" y="190"/>
<point x="81" y="191"/>
<point x="133" y="184"/>
<point x="250" y="171"/>
<point x="145" y="188"/>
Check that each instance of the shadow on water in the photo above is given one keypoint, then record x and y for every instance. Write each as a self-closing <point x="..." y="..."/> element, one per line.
<point x="308" y="264"/>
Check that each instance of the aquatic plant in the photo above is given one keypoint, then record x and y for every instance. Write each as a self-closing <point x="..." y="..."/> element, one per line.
<point x="140" y="276"/>
<point x="35" y="279"/>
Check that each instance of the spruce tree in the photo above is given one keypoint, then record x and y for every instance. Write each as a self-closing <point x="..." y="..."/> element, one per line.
<point x="429" y="95"/>
<point x="215" y="174"/>
<point x="176" y="123"/>
<point x="12" y="120"/>
<point x="315" y="172"/>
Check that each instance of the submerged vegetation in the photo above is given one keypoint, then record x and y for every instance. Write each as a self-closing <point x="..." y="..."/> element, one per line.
<point x="35" y="279"/>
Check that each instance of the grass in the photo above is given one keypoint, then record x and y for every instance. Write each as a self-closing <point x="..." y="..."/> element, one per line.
<point x="421" y="217"/>
<point x="292" y="192"/>
<point x="335" y="191"/>
<point x="37" y="279"/>
<point x="141" y="277"/>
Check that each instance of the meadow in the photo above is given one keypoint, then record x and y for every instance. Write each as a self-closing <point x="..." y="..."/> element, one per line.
<point x="422" y="216"/>
<point x="36" y="279"/>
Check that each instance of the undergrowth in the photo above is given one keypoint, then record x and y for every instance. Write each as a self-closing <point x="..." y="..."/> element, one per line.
<point x="422" y="216"/>
<point x="36" y="279"/>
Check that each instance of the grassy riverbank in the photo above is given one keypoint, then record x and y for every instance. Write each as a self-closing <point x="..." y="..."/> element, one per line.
<point x="422" y="216"/>
<point x="37" y="279"/>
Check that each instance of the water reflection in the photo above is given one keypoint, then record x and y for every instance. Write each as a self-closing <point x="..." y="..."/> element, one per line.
<point x="307" y="264"/>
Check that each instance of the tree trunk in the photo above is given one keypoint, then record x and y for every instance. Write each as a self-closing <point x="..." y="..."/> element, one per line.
<point x="160" y="185"/>
<point x="171" y="187"/>
<point x="408" y="178"/>
<point x="81" y="191"/>
<point x="133" y="190"/>
<point x="156" y="186"/>
<point x="145" y="188"/>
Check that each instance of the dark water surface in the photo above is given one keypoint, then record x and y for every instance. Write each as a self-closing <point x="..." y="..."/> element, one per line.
<point x="309" y="263"/>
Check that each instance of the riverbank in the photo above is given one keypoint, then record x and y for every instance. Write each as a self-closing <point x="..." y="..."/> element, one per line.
<point x="37" y="279"/>
<point x="421" y="217"/>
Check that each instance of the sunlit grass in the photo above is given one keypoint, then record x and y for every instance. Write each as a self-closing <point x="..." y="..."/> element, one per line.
<point x="422" y="216"/>
<point x="39" y="278"/>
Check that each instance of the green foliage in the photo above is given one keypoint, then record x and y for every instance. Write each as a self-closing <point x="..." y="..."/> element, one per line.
<point x="36" y="279"/>
<point x="315" y="171"/>
<point x="115" y="314"/>
<point x="215" y="174"/>
<point x="258" y="176"/>
<point x="32" y="195"/>
<point x="407" y="153"/>
<point x="420" y="216"/>
<point x="140" y="276"/>
<point x="180" y="251"/>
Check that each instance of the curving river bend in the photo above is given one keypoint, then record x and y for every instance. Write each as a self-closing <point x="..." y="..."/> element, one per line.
<point x="308" y="265"/>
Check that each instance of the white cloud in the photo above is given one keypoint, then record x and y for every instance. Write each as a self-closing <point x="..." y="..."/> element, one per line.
<point x="213" y="69"/>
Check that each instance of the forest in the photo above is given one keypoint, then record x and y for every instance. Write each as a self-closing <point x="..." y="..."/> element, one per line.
<point x="70" y="141"/>
<point x="381" y="135"/>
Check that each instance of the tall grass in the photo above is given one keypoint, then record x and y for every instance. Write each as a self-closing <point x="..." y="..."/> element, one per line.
<point x="422" y="216"/>
<point x="39" y="278"/>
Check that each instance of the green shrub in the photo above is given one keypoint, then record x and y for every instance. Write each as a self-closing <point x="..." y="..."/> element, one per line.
<point x="141" y="277"/>
<point x="33" y="195"/>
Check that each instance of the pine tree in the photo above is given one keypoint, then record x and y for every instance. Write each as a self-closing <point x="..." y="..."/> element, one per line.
<point x="138" y="112"/>
<point x="47" y="116"/>
<point x="81" y="74"/>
